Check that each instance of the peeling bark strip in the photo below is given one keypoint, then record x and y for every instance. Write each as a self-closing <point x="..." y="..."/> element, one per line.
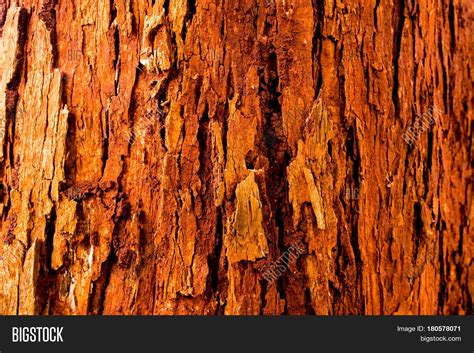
<point x="255" y="119"/>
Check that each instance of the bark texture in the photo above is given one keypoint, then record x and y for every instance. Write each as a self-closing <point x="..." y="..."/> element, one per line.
<point x="158" y="156"/>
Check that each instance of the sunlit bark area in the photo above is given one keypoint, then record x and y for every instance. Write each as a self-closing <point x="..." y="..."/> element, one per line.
<point x="236" y="157"/>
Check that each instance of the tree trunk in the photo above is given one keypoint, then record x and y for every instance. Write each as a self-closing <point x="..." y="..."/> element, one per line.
<point x="236" y="157"/>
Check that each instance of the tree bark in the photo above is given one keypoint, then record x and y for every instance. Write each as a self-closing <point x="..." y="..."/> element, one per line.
<point x="236" y="157"/>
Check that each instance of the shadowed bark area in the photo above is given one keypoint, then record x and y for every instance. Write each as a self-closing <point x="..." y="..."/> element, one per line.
<point x="236" y="157"/>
